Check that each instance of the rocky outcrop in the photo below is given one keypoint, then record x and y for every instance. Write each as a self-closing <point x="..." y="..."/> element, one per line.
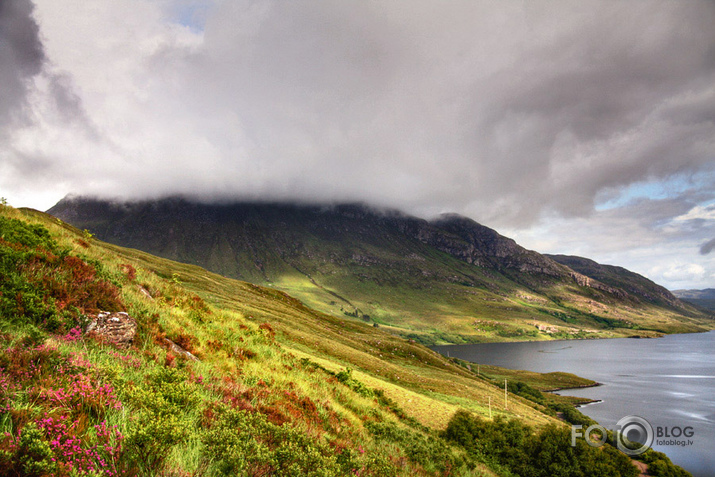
<point x="176" y="349"/>
<point x="584" y="281"/>
<point x="474" y="243"/>
<point x="117" y="328"/>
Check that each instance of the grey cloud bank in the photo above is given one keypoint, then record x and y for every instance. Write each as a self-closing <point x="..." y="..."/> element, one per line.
<point x="522" y="115"/>
<point x="21" y="56"/>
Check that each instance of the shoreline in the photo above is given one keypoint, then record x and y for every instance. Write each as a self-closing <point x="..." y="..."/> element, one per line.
<point x="595" y="338"/>
<point x="594" y="401"/>
<point x="613" y="370"/>
<point x="583" y="386"/>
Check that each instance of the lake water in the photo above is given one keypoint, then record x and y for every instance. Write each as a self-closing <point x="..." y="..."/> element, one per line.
<point x="669" y="381"/>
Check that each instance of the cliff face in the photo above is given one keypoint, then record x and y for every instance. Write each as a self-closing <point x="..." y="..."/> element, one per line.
<point x="492" y="249"/>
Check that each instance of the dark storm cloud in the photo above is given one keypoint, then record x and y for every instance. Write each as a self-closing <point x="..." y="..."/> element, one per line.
<point x="21" y="55"/>
<point x="504" y="111"/>
<point x="707" y="247"/>
<point x="621" y="97"/>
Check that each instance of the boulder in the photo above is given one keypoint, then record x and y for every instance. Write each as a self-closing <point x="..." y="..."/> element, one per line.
<point x="114" y="327"/>
<point x="179" y="350"/>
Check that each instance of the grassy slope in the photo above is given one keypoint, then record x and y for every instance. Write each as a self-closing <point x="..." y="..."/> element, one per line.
<point x="240" y="360"/>
<point x="271" y="394"/>
<point x="394" y="364"/>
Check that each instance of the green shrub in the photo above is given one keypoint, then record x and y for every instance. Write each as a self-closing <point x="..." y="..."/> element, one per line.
<point x="244" y="443"/>
<point x="526" y="391"/>
<point x="28" y="454"/>
<point x="571" y="414"/>
<point x="523" y="451"/>
<point x="44" y="285"/>
<point x="14" y="231"/>
<point x="346" y="377"/>
<point x="430" y="452"/>
<point x="166" y="415"/>
<point x="660" y="465"/>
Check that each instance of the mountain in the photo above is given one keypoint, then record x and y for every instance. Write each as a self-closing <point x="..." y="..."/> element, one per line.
<point x="212" y="376"/>
<point x="703" y="298"/>
<point x="448" y="280"/>
<point x="637" y="286"/>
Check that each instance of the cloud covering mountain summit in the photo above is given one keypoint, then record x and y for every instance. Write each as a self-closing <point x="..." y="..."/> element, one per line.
<point x="507" y="112"/>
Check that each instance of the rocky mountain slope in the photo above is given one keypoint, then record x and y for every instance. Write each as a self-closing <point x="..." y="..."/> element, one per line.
<point x="634" y="285"/>
<point x="446" y="280"/>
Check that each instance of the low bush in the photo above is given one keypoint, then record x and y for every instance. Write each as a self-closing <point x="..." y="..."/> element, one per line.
<point x="660" y="465"/>
<point x="44" y="285"/>
<point x="523" y="451"/>
<point x="165" y="415"/>
<point x="346" y="377"/>
<point x="526" y="391"/>
<point x="245" y="443"/>
<point x="571" y="414"/>
<point x="432" y="453"/>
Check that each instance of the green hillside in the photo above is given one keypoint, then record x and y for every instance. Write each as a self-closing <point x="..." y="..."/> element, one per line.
<point x="450" y="280"/>
<point x="228" y="378"/>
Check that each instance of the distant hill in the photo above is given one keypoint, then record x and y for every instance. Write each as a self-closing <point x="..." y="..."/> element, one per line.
<point x="703" y="298"/>
<point x="448" y="280"/>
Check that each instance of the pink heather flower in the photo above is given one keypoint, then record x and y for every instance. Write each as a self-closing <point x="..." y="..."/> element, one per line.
<point x="73" y="335"/>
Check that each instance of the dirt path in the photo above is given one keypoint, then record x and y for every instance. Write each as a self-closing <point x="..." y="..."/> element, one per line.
<point x="642" y="466"/>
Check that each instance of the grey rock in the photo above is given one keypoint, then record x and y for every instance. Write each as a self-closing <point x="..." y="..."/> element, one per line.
<point x="113" y="327"/>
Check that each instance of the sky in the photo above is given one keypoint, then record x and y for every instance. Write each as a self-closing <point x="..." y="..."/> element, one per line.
<point x="583" y="128"/>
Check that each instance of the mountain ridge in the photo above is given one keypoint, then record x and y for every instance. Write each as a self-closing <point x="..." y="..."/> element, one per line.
<point x="703" y="298"/>
<point x="619" y="277"/>
<point x="442" y="278"/>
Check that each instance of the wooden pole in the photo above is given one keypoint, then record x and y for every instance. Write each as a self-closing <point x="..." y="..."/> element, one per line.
<point x="505" y="403"/>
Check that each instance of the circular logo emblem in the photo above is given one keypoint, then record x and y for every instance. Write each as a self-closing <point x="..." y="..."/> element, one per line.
<point x="635" y="435"/>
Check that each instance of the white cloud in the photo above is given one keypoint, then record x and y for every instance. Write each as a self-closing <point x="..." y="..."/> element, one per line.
<point x="698" y="213"/>
<point x="678" y="272"/>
